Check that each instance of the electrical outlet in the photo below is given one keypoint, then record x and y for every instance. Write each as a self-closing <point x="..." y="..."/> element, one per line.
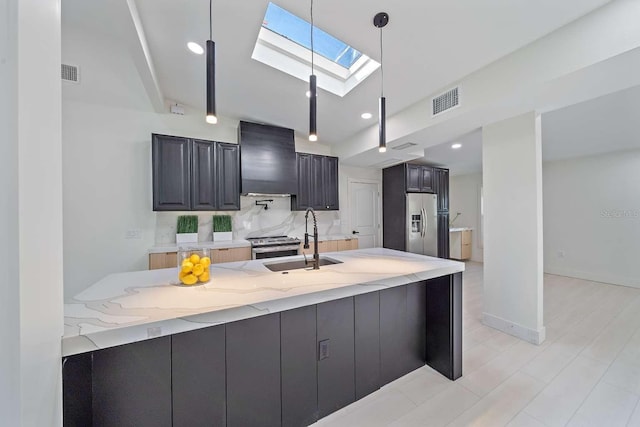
<point x="133" y="234"/>
<point x="323" y="350"/>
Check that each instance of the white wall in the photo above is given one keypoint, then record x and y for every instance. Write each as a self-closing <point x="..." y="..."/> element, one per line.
<point x="592" y="217"/>
<point x="513" y="264"/>
<point x="464" y="197"/>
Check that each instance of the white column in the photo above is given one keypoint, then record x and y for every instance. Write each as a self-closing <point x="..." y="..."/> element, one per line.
<point x="31" y="287"/>
<point x="513" y="261"/>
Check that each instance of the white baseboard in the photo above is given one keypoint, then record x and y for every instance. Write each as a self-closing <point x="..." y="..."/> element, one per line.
<point x="530" y="335"/>
<point x="610" y="279"/>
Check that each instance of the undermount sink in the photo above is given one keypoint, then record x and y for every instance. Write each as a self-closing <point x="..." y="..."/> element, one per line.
<point x="296" y="264"/>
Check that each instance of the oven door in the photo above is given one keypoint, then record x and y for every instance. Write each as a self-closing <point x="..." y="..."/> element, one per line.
<point x="274" y="251"/>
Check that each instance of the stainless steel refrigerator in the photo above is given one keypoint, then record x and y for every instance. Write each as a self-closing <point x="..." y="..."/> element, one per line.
<point x="422" y="224"/>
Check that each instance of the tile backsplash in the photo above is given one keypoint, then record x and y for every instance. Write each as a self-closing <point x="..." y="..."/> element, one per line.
<point x="251" y="221"/>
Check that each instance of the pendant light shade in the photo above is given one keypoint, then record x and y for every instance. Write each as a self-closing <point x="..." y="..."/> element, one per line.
<point x="379" y="21"/>
<point x="313" y="134"/>
<point x="212" y="117"/>
<point x="211" y="83"/>
<point x="313" y="93"/>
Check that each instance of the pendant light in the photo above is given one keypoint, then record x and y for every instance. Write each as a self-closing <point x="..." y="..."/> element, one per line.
<point x="380" y="20"/>
<point x="212" y="118"/>
<point x="313" y="92"/>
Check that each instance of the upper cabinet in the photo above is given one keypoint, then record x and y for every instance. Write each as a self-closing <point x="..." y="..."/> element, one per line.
<point x="442" y="188"/>
<point x="419" y="178"/>
<point x="191" y="174"/>
<point x="317" y="183"/>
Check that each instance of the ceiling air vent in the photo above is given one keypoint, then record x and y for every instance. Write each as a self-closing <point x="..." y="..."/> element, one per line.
<point x="70" y="73"/>
<point x="404" y="146"/>
<point x="446" y="101"/>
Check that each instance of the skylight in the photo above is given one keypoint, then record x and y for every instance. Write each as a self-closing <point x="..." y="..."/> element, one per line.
<point x="298" y="30"/>
<point x="284" y="43"/>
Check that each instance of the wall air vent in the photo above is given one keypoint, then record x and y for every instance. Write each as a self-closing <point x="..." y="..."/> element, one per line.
<point x="70" y="73"/>
<point x="445" y="101"/>
<point x="404" y="146"/>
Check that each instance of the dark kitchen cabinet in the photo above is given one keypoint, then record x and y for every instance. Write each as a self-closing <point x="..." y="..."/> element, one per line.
<point x="77" y="395"/>
<point x="419" y="178"/>
<point x="299" y="365"/>
<point x="195" y="175"/>
<point x="198" y="377"/>
<point x="367" y="343"/>
<point x="443" y="235"/>
<point x="171" y="158"/>
<point x="336" y="370"/>
<point x="253" y="372"/>
<point x="317" y="183"/>
<point x="132" y="384"/>
<point x="442" y="188"/>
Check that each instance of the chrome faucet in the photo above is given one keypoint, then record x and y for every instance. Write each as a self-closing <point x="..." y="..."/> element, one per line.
<point x="316" y="256"/>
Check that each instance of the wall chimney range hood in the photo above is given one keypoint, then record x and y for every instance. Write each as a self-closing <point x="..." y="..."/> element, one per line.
<point x="267" y="160"/>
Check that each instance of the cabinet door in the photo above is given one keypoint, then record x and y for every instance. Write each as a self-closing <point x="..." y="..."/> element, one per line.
<point x="336" y="370"/>
<point x="76" y="390"/>
<point x="416" y="325"/>
<point x="426" y="180"/>
<point x="443" y="235"/>
<point x="393" y="333"/>
<point x="228" y="177"/>
<point x="302" y="200"/>
<point x="171" y="158"/>
<point x="198" y="377"/>
<point x="163" y="260"/>
<point x="203" y="180"/>
<point x="219" y="256"/>
<point x="253" y="372"/>
<point x="330" y="183"/>
<point x="367" y="343"/>
<point x="132" y="384"/>
<point x="414" y="178"/>
<point x="442" y="189"/>
<point x="299" y="365"/>
<point x="317" y="182"/>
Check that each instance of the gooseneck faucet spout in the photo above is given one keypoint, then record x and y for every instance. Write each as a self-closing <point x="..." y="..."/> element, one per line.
<point x="316" y="255"/>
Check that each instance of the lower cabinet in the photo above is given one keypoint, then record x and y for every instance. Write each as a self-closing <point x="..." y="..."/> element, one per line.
<point x="253" y="372"/>
<point x="289" y="368"/>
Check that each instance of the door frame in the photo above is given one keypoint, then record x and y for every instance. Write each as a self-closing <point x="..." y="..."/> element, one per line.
<point x="378" y="185"/>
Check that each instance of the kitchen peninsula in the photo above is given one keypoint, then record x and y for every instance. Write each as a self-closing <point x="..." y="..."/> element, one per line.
<point x="256" y="347"/>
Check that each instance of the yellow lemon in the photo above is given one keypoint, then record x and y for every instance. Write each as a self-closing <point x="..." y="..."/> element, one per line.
<point x="186" y="260"/>
<point x="189" y="279"/>
<point x="181" y="274"/>
<point x="186" y="267"/>
<point x="198" y="269"/>
<point x="195" y="258"/>
<point x="204" y="277"/>
<point x="206" y="261"/>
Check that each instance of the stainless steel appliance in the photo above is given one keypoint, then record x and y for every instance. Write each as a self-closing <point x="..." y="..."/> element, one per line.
<point x="272" y="247"/>
<point x="422" y="224"/>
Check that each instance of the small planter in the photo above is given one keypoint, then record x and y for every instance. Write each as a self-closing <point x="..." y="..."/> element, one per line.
<point x="186" y="238"/>
<point x="222" y="236"/>
<point x="187" y="229"/>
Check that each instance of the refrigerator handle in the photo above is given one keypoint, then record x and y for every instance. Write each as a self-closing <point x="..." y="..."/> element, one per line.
<point x="424" y="222"/>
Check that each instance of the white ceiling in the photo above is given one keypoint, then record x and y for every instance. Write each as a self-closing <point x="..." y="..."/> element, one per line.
<point x="601" y="125"/>
<point x="428" y="45"/>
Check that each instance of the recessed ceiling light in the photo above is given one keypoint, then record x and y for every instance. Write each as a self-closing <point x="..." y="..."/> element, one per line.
<point x="195" y="48"/>
<point x="456" y="146"/>
<point x="366" y="116"/>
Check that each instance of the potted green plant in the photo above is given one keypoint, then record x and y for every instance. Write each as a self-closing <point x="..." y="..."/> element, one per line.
<point x="222" y="228"/>
<point x="187" y="230"/>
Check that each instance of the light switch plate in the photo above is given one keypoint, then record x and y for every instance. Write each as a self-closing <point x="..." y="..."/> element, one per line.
<point x="323" y="350"/>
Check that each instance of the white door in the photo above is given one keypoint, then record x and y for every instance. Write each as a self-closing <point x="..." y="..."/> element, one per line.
<point x="365" y="207"/>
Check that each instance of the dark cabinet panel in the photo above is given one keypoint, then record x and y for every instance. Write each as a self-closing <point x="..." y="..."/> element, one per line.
<point x="198" y="377"/>
<point x="203" y="181"/>
<point x="228" y="176"/>
<point x="414" y="178"/>
<point x="442" y="189"/>
<point x="77" y="392"/>
<point x="336" y="383"/>
<point x="393" y="333"/>
<point x="443" y="235"/>
<point x="416" y="325"/>
<point x="330" y="183"/>
<point x="426" y="181"/>
<point x="302" y="200"/>
<point x="317" y="181"/>
<point x="394" y="208"/>
<point x="253" y="372"/>
<point x="299" y="365"/>
<point x="171" y="158"/>
<point x="367" y="343"/>
<point x="132" y="384"/>
<point x="444" y="317"/>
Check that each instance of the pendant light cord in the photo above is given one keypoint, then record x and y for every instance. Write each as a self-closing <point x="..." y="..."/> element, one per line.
<point x="312" y="37"/>
<point x="210" y="20"/>
<point x="381" y="67"/>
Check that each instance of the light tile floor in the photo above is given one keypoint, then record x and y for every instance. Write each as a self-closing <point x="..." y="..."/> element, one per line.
<point x="587" y="372"/>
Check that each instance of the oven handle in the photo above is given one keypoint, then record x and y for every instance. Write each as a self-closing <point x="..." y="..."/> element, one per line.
<point x="275" y="249"/>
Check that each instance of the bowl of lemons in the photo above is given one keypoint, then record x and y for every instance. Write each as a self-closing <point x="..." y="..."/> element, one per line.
<point x="194" y="267"/>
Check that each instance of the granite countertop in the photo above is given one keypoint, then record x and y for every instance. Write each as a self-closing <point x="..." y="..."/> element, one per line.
<point x="128" y="307"/>
<point x="458" y="229"/>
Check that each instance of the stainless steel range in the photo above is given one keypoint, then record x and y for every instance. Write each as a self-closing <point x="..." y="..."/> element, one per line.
<point x="272" y="247"/>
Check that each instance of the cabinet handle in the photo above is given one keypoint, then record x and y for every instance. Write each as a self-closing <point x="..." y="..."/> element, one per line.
<point x="222" y="249"/>
<point x="355" y="232"/>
